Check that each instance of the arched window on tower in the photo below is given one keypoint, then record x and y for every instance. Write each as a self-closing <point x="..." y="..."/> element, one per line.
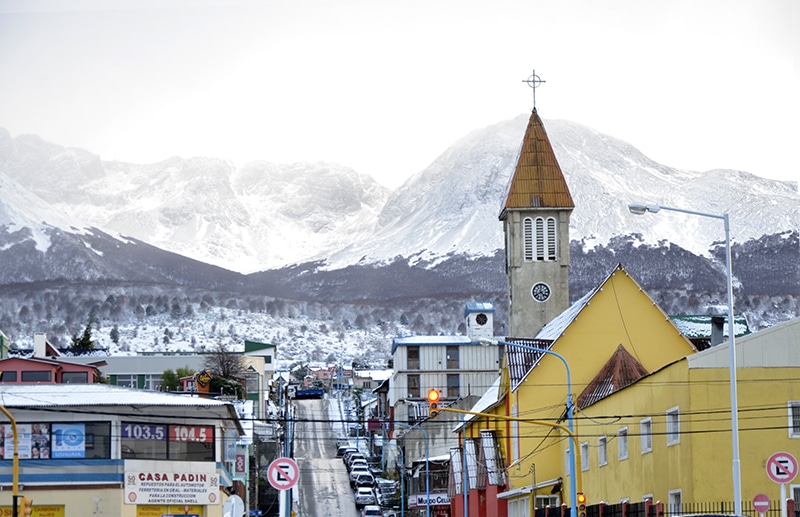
<point x="540" y="239"/>
<point x="527" y="232"/>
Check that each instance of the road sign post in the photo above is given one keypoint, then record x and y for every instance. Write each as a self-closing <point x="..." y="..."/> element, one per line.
<point x="782" y="469"/>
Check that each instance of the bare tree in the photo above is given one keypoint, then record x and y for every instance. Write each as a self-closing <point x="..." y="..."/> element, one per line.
<point x="225" y="363"/>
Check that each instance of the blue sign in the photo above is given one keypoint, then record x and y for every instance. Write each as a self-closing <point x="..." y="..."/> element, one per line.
<point x="69" y="441"/>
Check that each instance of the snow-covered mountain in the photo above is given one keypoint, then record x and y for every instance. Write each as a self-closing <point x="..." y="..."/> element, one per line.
<point x="261" y="215"/>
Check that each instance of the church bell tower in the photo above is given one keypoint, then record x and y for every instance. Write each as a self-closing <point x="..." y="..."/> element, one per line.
<point x="535" y="220"/>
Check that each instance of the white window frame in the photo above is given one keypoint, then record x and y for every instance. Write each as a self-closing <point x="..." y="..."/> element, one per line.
<point x="675" y="502"/>
<point x="543" y="501"/>
<point x="794" y="418"/>
<point x="622" y="444"/>
<point x="602" y="451"/>
<point x="584" y="456"/>
<point x="794" y="492"/>
<point x="673" y="426"/>
<point x="646" y="434"/>
<point x="567" y="459"/>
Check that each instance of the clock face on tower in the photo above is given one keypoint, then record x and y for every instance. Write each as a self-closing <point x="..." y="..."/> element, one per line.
<point x="540" y="292"/>
<point x="481" y="319"/>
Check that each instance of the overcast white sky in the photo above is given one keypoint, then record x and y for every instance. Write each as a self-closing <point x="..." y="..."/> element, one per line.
<point x="386" y="86"/>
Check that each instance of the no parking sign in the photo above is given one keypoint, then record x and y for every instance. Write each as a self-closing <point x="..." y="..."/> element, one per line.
<point x="283" y="473"/>
<point x="782" y="467"/>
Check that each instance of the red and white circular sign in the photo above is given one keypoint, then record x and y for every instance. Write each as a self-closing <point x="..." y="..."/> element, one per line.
<point x="761" y="503"/>
<point x="782" y="467"/>
<point x="283" y="473"/>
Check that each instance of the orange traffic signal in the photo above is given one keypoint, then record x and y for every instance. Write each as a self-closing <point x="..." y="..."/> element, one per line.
<point x="433" y="402"/>
<point x="25" y="506"/>
<point x="581" y="504"/>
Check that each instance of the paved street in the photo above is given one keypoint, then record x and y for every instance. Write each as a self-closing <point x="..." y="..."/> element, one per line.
<point x="324" y="486"/>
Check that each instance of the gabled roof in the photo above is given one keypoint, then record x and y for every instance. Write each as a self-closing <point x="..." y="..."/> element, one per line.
<point x="621" y="370"/>
<point x="551" y="332"/>
<point x="537" y="181"/>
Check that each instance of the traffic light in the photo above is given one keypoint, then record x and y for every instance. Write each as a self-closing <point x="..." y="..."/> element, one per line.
<point x="433" y="402"/>
<point x="25" y="506"/>
<point x="581" y="504"/>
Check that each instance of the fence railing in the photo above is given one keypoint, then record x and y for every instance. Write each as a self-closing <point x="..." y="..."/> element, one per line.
<point x="658" y="509"/>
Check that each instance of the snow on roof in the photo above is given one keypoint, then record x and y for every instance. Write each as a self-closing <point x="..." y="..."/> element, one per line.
<point x="375" y="375"/>
<point x="490" y="397"/>
<point x="478" y="307"/>
<point x="430" y="340"/>
<point x="559" y="324"/>
<point x="76" y="395"/>
<point x="699" y="325"/>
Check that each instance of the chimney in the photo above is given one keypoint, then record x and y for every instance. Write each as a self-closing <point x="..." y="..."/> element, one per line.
<point x="717" y="323"/>
<point x="40" y="345"/>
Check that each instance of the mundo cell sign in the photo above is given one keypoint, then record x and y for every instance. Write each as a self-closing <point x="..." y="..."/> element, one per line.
<point x="437" y="499"/>
<point x="171" y="483"/>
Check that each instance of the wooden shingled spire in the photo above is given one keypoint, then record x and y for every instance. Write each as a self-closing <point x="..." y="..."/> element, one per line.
<point x="537" y="181"/>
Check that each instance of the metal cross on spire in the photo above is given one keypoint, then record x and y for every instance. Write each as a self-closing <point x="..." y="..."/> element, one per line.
<point x="534" y="81"/>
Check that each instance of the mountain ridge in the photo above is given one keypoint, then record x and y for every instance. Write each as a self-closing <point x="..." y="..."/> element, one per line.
<point x="261" y="216"/>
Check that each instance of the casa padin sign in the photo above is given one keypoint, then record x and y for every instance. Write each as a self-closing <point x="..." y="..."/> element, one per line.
<point x="171" y="483"/>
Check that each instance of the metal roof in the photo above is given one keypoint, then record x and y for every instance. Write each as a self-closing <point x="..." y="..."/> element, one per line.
<point x="537" y="181"/>
<point x="82" y="395"/>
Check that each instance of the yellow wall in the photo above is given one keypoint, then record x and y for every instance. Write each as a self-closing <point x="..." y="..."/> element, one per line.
<point x="700" y="466"/>
<point x="618" y="313"/>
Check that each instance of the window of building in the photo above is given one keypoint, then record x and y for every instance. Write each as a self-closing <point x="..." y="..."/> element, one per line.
<point x="567" y="461"/>
<point x="622" y="444"/>
<point x="174" y="442"/>
<point x="452" y="357"/>
<point x="90" y="440"/>
<point x="413" y="386"/>
<point x="585" y="456"/>
<point x="413" y="357"/>
<point x="794" y="417"/>
<point x="543" y="501"/>
<point x="794" y="492"/>
<point x="539" y="239"/>
<point x="128" y="381"/>
<point x="75" y="377"/>
<point x="152" y="382"/>
<point x="675" y="502"/>
<point x="519" y="507"/>
<point x="602" y="451"/>
<point x="191" y="443"/>
<point x="646" y="433"/>
<point x="36" y="376"/>
<point x="452" y="385"/>
<point x="673" y="426"/>
<point x="8" y="377"/>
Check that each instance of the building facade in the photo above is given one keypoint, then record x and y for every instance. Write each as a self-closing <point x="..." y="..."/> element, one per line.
<point x="92" y="449"/>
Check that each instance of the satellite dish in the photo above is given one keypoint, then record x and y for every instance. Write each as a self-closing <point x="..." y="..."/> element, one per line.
<point x="233" y="507"/>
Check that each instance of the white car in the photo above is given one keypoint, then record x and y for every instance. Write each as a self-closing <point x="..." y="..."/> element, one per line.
<point x="372" y="511"/>
<point x="364" y="496"/>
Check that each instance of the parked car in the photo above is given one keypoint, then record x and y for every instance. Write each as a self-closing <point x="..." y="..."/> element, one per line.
<point x="364" y="496"/>
<point x="358" y="472"/>
<point x="344" y="449"/>
<point x="357" y="462"/>
<point x="371" y="511"/>
<point x="363" y="480"/>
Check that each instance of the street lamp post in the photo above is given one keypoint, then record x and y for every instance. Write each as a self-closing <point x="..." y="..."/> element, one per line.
<point x="427" y="476"/>
<point x="573" y="511"/>
<point x="640" y="209"/>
